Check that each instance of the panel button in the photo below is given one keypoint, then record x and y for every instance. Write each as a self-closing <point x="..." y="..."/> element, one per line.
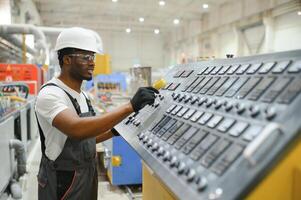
<point x="266" y="67"/>
<point x="254" y="68"/>
<point x="201" y="85"/>
<point x="202" y="100"/>
<point x="236" y="86"/>
<point x="175" y="95"/>
<point x="189" y="83"/>
<point x="238" y="129"/>
<point x="178" y="134"/>
<point x="215" y="70"/>
<point x="215" y="152"/>
<point x="167" y="126"/>
<point x="186" y="73"/>
<point x="160" y="151"/>
<point x="217" y="85"/>
<point x="275" y="89"/>
<point x="155" y="147"/>
<point x="214" y="121"/>
<point x="196" y="116"/>
<point x="224" y="70"/>
<point x="233" y="69"/>
<point x="186" y="136"/>
<point x="205" y="144"/>
<point x="182" y="112"/>
<point x="205" y="118"/>
<point x="187" y="98"/>
<point x="189" y="114"/>
<point x="224" y="88"/>
<point x="252" y="132"/>
<point x="230" y="156"/>
<point x="172" y="130"/>
<point x="209" y="85"/>
<point x="261" y="87"/>
<point x="176" y="109"/>
<point x="207" y="72"/>
<point x="295" y="68"/>
<point x="243" y="68"/>
<point x="251" y="83"/>
<point x="226" y="124"/>
<point x="173" y="86"/>
<point x="202" y="70"/>
<point x="194" y="141"/>
<point x="291" y="92"/>
<point x="281" y="66"/>
<point x="178" y="73"/>
<point x="166" y="156"/>
<point x="195" y="83"/>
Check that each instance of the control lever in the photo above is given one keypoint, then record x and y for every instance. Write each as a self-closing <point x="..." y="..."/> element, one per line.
<point x="262" y="144"/>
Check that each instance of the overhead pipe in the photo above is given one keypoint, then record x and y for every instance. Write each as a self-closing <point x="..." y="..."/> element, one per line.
<point x="17" y="42"/>
<point x="40" y="39"/>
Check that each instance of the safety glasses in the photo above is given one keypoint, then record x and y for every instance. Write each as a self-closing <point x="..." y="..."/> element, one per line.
<point x="86" y="58"/>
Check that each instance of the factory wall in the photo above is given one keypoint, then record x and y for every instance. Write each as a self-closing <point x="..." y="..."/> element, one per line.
<point x="242" y="28"/>
<point x="127" y="50"/>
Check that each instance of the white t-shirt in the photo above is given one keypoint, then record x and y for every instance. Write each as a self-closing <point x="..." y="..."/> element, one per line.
<point x="51" y="101"/>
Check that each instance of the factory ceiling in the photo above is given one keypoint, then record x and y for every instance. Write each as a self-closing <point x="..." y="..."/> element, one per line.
<point x="117" y="15"/>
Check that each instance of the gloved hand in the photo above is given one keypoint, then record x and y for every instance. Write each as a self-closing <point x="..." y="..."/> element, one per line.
<point x="143" y="96"/>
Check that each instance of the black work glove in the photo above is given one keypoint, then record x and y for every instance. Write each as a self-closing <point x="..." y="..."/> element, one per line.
<point x="143" y="96"/>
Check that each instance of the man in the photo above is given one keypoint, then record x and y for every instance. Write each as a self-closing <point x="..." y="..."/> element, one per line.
<point x="68" y="128"/>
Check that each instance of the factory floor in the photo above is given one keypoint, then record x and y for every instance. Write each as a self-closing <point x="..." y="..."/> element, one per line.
<point x="105" y="190"/>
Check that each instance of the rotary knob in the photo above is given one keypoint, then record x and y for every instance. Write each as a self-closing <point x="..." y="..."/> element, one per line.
<point x="166" y="156"/>
<point x="181" y="167"/>
<point x="160" y="151"/>
<point x="155" y="147"/>
<point x="201" y="183"/>
<point x="174" y="161"/>
<point x="191" y="173"/>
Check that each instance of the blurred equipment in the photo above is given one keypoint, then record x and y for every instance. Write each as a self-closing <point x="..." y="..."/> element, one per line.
<point x="30" y="74"/>
<point x="102" y="64"/>
<point x="223" y="129"/>
<point x="140" y="77"/>
<point x="18" y="128"/>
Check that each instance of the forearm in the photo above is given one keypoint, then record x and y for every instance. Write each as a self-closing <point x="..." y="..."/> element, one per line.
<point x="81" y="128"/>
<point x="104" y="136"/>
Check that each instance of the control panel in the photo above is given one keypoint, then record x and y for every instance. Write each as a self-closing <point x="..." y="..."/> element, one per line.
<point x="218" y="126"/>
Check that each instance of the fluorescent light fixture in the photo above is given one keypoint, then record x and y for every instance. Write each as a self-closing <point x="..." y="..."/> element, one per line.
<point x="114" y="1"/>
<point x="176" y="21"/>
<point x="205" y="6"/>
<point x="141" y="19"/>
<point x="299" y="13"/>
<point x="156" y="31"/>
<point x="162" y="3"/>
<point x="128" y="30"/>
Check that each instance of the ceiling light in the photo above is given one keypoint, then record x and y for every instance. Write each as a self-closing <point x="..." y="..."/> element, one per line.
<point x="162" y="3"/>
<point x="156" y="31"/>
<point x="205" y="6"/>
<point x="299" y="13"/>
<point x="128" y="30"/>
<point x="141" y="19"/>
<point x="114" y="1"/>
<point x="176" y="21"/>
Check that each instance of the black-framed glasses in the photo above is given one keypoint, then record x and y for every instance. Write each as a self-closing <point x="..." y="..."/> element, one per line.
<point x="86" y="57"/>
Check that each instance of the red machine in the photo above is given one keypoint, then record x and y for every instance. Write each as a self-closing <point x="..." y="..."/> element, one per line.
<point x="30" y="74"/>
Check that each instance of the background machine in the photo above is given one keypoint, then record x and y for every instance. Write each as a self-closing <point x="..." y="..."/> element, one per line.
<point x="222" y="129"/>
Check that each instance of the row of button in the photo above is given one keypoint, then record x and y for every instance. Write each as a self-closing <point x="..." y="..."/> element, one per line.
<point x="254" y="110"/>
<point x="173" y="162"/>
<point x="261" y="68"/>
<point x="212" y="121"/>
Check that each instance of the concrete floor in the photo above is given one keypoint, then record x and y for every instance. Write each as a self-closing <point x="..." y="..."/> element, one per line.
<point x="105" y="190"/>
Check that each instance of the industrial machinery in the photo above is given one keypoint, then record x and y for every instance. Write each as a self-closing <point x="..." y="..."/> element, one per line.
<point x="18" y="128"/>
<point x="219" y="128"/>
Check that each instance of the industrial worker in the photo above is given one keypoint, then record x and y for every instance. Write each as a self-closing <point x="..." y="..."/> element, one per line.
<point x="69" y="129"/>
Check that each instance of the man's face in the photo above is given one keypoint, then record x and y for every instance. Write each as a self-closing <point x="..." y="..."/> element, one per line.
<point x="82" y="65"/>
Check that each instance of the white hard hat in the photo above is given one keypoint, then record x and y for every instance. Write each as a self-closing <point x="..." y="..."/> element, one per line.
<point x="79" y="38"/>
